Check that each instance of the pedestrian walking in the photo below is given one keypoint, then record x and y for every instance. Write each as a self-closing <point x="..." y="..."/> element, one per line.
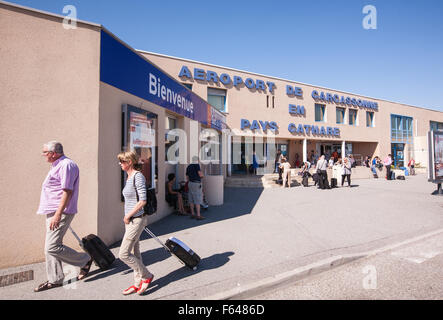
<point x="135" y="219"/>
<point x="277" y="161"/>
<point x="286" y="168"/>
<point x="352" y="161"/>
<point x="322" y="166"/>
<point x="305" y="173"/>
<point x="387" y="163"/>
<point x="411" y="165"/>
<point x="58" y="202"/>
<point x="337" y="170"/>
<point x="375" y="162"/>
<point x="331" y="162"/>
<point x="346" y="173"/>
<point x="195" y="195"/>
<point x="254" y="163"/>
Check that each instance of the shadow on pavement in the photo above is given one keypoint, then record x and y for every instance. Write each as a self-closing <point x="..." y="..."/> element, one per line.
<point x="159" y="254"/>
<point x="213" y="262"/>
<point x="237" y="202"/>
<point x="148" y="257"/>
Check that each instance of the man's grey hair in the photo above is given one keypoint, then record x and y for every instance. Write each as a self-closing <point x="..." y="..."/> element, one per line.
<point x="54" y="146"/>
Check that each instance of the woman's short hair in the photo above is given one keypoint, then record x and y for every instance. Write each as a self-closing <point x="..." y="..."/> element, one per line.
<point x="171" y="176"/>
<point x="129" y="156"/>
<point x="54" y="146"/>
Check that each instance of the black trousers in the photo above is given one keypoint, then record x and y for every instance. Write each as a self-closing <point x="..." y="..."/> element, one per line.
<point x="388" y="172"/>
<point x="348" y="176"/>
<point x="323" y="182"/>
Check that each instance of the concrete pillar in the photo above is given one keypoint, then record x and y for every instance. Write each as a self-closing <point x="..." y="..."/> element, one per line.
<point x="305" y="150"/>
<point x="343" y="149"/>
<point x="229" y="150"/>
<point x="193" y="139"/>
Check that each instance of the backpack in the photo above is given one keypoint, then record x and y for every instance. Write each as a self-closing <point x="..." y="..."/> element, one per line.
<point x="151" y="200"/>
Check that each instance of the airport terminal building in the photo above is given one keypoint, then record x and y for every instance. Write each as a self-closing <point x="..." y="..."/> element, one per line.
<point x="302" y="118"/>
<point x="90" y="90"/>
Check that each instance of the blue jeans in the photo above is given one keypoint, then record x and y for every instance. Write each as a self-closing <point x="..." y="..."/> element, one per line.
<point x="373" y="169"/>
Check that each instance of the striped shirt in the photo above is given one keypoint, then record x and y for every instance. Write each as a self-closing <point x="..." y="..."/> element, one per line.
<point x="130" y="195"/>
<point x="64" y="174"/>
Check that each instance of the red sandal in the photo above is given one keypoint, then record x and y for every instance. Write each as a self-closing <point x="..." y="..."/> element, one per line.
<point x="144" y="284"/>
<point x="130" y="290"/>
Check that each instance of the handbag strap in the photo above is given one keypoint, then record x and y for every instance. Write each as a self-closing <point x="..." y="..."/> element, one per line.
<point x="135" y="188"/>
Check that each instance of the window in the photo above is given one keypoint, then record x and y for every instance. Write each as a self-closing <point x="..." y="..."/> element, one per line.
<point x="401" y="129"/>
<point x="217" y="98"/>
<point x="369" y="119"/>
<point x="436" y="125"/>
<point x="352" y="117"/>
<point x="210" y="151"/>
<point x="170" y="138"/>
<point x="320" y="112"/>
<point x="340" y="115"/>
<point x="188" y="85"/>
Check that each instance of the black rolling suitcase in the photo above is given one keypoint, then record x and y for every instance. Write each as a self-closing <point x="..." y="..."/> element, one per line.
<point x="97" y="249"/>
<point x="305" y="181"/>
<point x="315" y="178"/>
<point x="179" y="250"/>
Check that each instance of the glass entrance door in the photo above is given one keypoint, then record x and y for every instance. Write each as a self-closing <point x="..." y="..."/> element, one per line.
<point x="397" y="151"/>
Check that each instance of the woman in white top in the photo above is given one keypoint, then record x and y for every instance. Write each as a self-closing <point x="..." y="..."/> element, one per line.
<point x="135" y="220"/>
<point x="346" y="172"/>
<point x="286" y="167"/>
<point x="337" y="170"/>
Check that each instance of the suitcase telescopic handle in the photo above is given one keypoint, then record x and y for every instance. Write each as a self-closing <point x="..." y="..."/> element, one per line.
<point x="156" y="238"/>
<point x="76" y="236"/>
<point x="163" y="245"/>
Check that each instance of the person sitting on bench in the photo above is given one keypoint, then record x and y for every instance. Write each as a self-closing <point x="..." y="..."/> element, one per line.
<point x="174" y="197"/>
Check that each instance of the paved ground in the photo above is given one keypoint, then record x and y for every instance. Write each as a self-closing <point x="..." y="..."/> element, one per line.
<point x="261" y="232"/>
<point x="412" y="271"/>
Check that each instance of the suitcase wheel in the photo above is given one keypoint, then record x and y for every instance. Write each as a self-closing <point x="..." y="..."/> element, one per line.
<point x="195" y="268"/>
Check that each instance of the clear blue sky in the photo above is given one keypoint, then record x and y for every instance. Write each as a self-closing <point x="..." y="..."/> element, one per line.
<point x="317" y="42"/>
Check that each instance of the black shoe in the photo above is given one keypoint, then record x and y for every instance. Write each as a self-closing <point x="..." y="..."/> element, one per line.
<point x="85" y="270"/>
<point x="46" y="286"/>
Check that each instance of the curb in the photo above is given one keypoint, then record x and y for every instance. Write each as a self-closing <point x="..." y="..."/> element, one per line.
<point x="285" y="278"/>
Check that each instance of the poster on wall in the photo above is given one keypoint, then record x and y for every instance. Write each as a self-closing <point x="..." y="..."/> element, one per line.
<point x="139" y="135"/>
<point x="435" y="143"/>
<point x="438" y="155"/>
<point x="142" y="134"/>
